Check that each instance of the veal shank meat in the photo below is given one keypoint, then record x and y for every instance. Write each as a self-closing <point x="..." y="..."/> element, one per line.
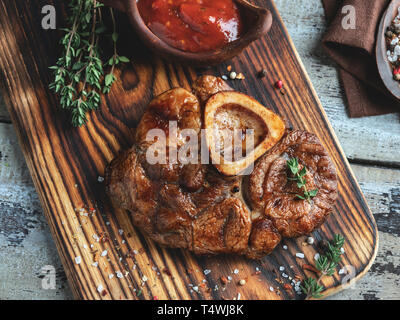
<point x="195" y="207"/>
<point x="272" y="194"/>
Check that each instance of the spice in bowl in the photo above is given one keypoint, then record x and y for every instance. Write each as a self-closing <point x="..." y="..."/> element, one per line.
<point x="392" y="36"/>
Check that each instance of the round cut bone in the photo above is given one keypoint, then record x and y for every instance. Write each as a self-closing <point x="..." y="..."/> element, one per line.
<point x="239" y="130"/>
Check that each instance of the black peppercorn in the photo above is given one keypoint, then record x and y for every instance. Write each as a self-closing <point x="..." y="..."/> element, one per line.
<point x="262" y="73"/>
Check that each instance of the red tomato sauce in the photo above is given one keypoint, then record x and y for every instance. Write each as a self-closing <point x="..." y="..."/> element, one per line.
<point x="192" y="25"/>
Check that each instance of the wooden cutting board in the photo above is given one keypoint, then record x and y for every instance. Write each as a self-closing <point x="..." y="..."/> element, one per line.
<point x="66" y="163"/>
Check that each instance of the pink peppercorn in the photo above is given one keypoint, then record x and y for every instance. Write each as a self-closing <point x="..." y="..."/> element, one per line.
<point x="279" y="84"/>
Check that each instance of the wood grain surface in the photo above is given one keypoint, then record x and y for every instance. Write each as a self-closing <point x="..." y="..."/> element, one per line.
<point x="65" y="164"/>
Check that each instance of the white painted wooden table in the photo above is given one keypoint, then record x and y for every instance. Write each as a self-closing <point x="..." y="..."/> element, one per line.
<point x="371" y="144"/>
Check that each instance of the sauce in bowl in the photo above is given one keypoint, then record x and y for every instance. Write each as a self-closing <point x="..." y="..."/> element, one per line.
<point x="192" y="25"/>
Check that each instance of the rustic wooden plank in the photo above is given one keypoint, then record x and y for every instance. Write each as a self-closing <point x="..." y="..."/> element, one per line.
<point x="25" y="250"/>
<point x="369" y="139"/>
<point x="305" y="22"/>
<point x="65" y="164"/>
<point x="310" y="13"/>
<point x="4" y="116"/>
<point x="382" y="190"/>
<point x="26" y="245"/>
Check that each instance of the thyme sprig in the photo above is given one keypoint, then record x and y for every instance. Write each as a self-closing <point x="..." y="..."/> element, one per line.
<point x="300" y="177"/>
<point x="79" y="72"/>
<point x="326" y="265"/>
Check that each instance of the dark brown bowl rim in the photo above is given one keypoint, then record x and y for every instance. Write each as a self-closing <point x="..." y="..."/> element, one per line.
<point x="261" y="26"/>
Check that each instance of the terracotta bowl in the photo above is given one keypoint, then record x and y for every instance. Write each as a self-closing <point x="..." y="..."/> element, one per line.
<point x="257" y="22"/>
<point x="383" y="63"/>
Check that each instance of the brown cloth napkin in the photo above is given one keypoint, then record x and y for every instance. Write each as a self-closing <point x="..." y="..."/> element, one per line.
<point x="354" y="51"/>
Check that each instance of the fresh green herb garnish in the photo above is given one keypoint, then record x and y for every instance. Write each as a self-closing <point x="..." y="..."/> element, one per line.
<point x="326" y="265"/>
<point x="79" y="74"/>
<point x="300" y="177"/>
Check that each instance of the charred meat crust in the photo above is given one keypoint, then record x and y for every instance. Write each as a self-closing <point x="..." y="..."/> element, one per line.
<point x="195" y="207"/>
<point x="274" y="195"/>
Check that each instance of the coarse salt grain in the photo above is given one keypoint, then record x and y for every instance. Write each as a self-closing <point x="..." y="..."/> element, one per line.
<point x="110" y="276"/>
<point x="316" y="257"/>
<point x="207" y="271"/>
<point x="236" y="271"/>
<point x="342" y="271"/>
<point x="95" y="264"/>
<point x="281" y="268"/>
<point x="119" y="274"/>
<point x="121" y="232"/>
<point x="342" y="250"/>
<point x="100" y="179"/>
<point x="300" y="255"/>
<point x="104" y="253"/>
<point x="285" y="247"/>
<point x="78" y="259"/>
<point x="310" y="240"/>
<point x="100" y="288"/>
<point x="144" y="279"/>
<point x="224" y="77"/>
<point x="271" y="289"/>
